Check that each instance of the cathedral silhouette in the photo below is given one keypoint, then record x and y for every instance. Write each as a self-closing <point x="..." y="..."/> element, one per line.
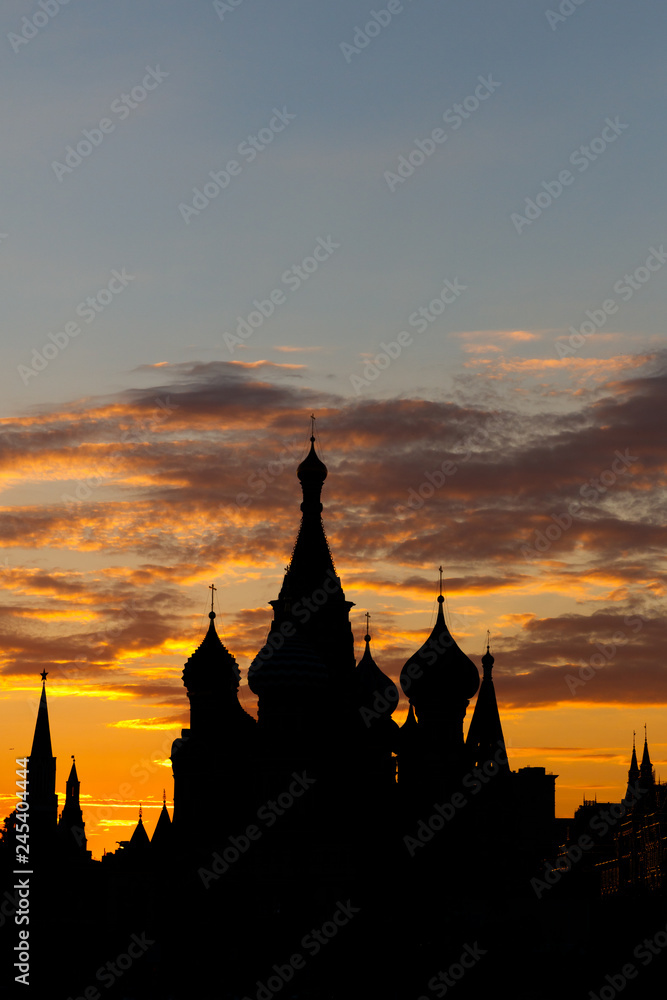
<point x="322" y="851"/>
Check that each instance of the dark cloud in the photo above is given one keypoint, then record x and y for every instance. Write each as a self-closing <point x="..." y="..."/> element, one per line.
<point x="198" y="472"/>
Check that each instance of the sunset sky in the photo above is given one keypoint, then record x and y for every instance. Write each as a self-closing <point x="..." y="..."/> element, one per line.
<point x="447" y="240"/>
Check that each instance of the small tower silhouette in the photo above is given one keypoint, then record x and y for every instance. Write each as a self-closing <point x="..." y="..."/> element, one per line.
<point x="485" y="735"/>
<point x="71" y="827"/>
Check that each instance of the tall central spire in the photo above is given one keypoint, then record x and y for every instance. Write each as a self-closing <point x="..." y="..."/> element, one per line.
<point x="311" y="560"/>
<point x="311" y="598"/>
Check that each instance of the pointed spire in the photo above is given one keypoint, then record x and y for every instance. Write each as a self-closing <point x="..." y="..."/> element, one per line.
<point x="139" y="840"/>
<point x="634" y="766"/>
<point x="633" y="775"/>
<point x="73" y="779"/>
<point x="71" y="827"/>
<point x="311" y="598"/>
<point x="485" y="735"/>
<point x="42" y="798"/>
<point x="161" y="838"/>
<point x="646" y="775"/>
<point x="41" y="744"/>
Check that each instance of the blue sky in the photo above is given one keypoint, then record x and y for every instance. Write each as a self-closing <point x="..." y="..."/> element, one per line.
<point x="322" y="176"/>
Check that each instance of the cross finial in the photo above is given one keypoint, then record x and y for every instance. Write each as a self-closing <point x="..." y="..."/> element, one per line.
<point x="312" y="427"/>
<point x="164" y="796"/>
<point x="367" y="637"/>
<point x="440" y="571"/>
<point x="213" y="589"/>
<point x="488" y="640"/>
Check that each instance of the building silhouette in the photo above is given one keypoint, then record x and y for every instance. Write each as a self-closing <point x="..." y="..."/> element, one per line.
<point x="322" y="851"/>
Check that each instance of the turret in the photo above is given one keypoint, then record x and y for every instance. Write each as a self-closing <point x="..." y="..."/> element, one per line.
<point x="633" y="776"/>
<point x="71" y="827"/>
<point x="311" y="602"/>
<point x="377" y="694"/>
<point x="485" y="735"/>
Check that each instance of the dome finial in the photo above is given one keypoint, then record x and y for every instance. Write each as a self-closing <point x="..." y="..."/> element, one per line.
<point x="213" y="589"/>
<point x="441" y="599"/>
<point x="487" y="659"/>
<point x="367" y="637"/>
<point x="312" y="471"/>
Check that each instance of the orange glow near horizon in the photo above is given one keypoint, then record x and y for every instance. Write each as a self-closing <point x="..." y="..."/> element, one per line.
<point x="107" y="589"/>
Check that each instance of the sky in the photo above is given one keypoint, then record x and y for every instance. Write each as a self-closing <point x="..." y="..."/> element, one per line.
<point x="439" y="227"/>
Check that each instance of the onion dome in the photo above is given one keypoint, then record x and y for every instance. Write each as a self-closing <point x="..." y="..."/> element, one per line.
<point x="487" y="663"/>
<point x="290" y="664"/>
<point x="440" y="671"/>
<point x="211" y="666"/>
<point x="376" y="691"/>
<point x="312" y="471"/>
